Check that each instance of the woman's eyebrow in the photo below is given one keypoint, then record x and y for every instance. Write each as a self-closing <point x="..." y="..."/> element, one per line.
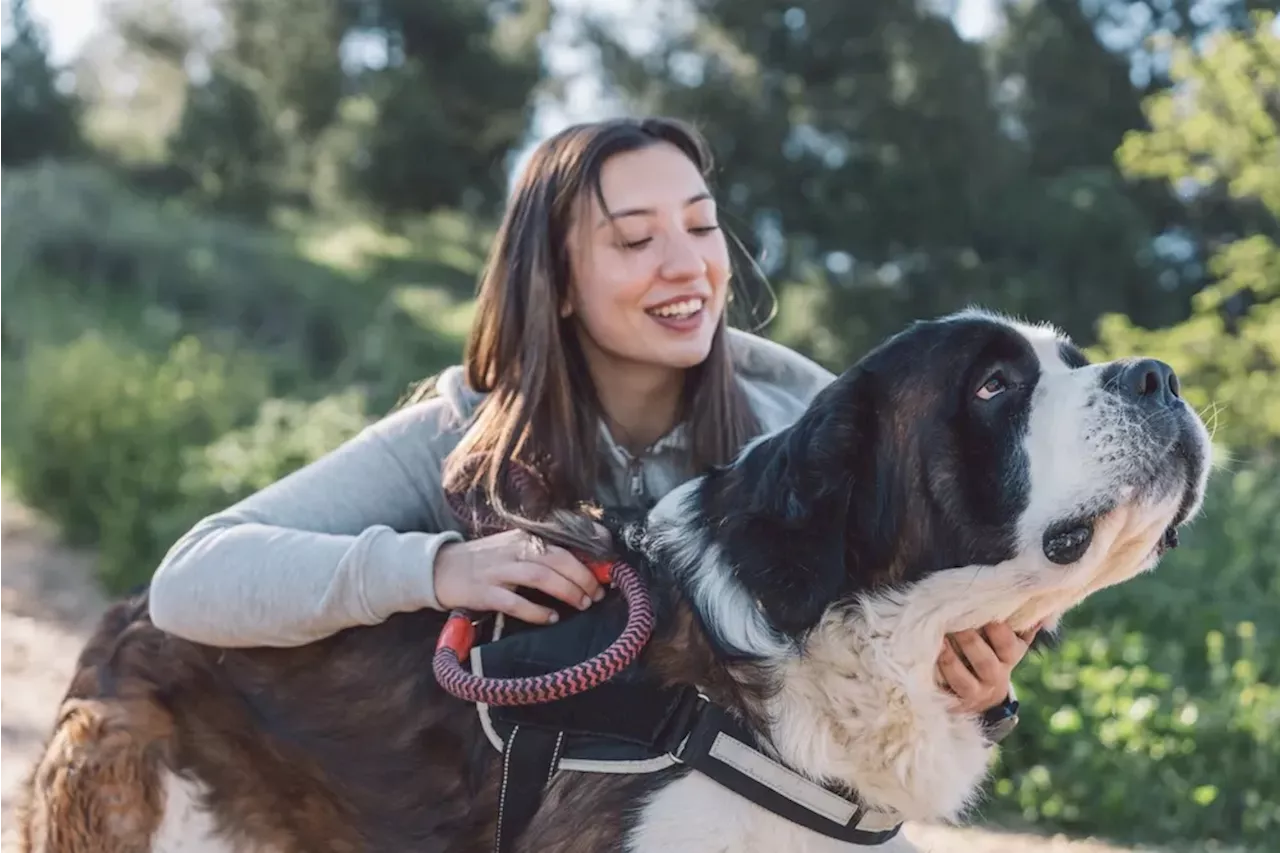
<point x="649" y="211"/>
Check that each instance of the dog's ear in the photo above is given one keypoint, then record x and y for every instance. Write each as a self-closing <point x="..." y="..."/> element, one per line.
<point x="783" y="512"/>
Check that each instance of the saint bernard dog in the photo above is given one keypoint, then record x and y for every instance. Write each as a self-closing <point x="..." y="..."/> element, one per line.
<point x="969" y="469"/>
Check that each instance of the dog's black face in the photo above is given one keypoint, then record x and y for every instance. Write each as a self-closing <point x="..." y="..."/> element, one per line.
<point x="967" y="441"/>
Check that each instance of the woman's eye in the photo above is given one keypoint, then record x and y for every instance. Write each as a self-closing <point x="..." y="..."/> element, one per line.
<point x="637" y="244"/>
<point x="704" y="229"/>
<point x="994" y="385"/>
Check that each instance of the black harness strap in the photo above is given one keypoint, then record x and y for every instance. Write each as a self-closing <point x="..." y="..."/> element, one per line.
<point x="723" y="750"/>
<point x="695" y="732"/>
<point x="632" y="720"/>
<point x="528" y="762"/>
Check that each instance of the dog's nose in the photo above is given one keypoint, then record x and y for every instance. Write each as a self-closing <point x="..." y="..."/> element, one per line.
<point x="1150" y="382"/>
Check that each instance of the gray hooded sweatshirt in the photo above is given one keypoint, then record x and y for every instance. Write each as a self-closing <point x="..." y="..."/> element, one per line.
<point x="352" y="538"/>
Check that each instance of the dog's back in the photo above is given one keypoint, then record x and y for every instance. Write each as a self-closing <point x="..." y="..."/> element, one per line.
<point x="347" y="744"/>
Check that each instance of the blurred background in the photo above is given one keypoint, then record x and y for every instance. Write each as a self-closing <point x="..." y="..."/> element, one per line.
<point x="235" y="231"/>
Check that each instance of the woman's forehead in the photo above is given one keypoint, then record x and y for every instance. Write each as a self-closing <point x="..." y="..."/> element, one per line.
<point x="649" y="181"/>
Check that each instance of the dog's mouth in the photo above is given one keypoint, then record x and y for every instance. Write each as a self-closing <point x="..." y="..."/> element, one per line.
<point x="1067" y="541"/>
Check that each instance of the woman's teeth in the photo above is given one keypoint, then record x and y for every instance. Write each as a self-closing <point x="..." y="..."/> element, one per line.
<point x="684" y="308"/>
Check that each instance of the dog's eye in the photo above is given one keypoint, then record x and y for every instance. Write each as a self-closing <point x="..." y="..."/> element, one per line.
<point x="994" y="385"/>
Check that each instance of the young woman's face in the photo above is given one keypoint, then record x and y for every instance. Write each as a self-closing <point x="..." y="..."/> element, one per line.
<point x="650" y="277"/>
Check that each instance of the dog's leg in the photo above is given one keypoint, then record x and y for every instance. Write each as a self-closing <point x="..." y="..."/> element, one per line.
<point x="98" y="786"/>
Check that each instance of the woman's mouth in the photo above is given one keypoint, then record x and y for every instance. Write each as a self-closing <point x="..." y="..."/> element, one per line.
<point x="683" y="315"/>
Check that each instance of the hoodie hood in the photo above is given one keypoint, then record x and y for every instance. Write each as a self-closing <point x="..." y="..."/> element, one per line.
<point x="779" y="382"/>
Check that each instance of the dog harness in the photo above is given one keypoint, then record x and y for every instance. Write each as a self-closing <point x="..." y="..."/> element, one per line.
<point x="631" y="724"/>
<point x="572" y="696"/>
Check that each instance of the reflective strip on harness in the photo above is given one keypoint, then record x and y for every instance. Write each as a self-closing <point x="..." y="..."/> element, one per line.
<point x="720" y="748"/>
<point x="786" y="782"/>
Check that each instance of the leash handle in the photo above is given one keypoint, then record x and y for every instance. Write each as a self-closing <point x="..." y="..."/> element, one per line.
<point x="458" y="637"/>
<point x="459" y="632"/>
<point x="532" y="494"/>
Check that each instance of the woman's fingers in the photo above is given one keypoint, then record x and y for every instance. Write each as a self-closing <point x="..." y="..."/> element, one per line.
<point x="981" y="657"/>
<point x="542" y="577"/>
<point x="1008" y="646"/>
<point x="571" y="568"/>
<point x="955" y="674"/>
<point x="503" y="600"/>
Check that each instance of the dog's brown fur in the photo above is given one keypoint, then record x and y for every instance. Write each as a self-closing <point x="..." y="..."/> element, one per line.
<point x="347" y="744"/>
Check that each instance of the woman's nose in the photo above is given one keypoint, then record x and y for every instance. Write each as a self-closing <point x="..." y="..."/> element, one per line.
<point x="683" y="258"/>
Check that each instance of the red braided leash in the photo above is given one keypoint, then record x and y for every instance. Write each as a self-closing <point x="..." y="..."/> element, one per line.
<point x="458" y="635"/>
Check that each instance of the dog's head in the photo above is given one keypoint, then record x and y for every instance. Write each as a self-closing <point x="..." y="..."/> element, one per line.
<point x="983" y="459"/>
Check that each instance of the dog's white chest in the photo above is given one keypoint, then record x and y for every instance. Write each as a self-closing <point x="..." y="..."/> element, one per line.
<point x="696" y="815"/>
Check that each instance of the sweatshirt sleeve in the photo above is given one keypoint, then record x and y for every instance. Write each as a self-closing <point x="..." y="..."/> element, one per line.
<point x="348" y="540"/>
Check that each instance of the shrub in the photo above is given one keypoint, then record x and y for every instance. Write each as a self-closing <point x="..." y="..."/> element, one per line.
<point x="80" y="226"/>
<point x="323" y="309"/>
<point x="95" y="432"/>
<point x="285" y="435"/>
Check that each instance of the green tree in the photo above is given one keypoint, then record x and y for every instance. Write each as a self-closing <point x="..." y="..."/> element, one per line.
<point x="453" y="97"/>
<point x="40" y="119"/>
<point x="250" y="129"/>
<point x="888" y="173"/>
<point x="396" y="106"/>
<point x="1156" y="718"/>
<point x="1218" y="132"/>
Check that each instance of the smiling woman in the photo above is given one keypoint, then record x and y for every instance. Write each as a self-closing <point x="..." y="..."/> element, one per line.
<point x="633" y="259"/>
<point x="600" y="364"/>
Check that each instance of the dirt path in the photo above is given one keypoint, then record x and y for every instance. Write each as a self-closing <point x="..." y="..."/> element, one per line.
<point x="49" y="607"/>
<point x="50" y="604"/>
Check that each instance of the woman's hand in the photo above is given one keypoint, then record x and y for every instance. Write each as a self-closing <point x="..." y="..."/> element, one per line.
<point x="482" y="575"/>
<point x="976" y="665"/>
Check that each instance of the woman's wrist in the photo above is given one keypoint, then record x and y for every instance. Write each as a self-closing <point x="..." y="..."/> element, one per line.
<point x="1001" y="719"/>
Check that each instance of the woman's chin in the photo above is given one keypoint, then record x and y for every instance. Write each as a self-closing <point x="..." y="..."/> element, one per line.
<point x="681" y="355"/>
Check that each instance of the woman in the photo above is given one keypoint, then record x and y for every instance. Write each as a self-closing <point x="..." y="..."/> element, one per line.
<point x="600" y="343"/>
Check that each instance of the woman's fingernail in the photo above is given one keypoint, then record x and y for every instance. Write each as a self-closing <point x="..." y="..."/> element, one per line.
<point x="599" y="593"/>
<point x="585" y="603"/>
<point x="554" y="617"/>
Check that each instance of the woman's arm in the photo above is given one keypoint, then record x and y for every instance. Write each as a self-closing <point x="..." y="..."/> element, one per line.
<point x="347" y="540"/>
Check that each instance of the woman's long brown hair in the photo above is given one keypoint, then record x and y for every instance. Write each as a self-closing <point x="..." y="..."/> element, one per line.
<point x="541" y="408"/>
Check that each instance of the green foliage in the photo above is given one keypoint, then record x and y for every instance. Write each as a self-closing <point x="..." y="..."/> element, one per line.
<point x="80" y="226"/>
<point x="323" y="308"/>
<point x="1220" y="131"/>
<point x="95" y="432"/>
<point x="285" y="435"/>
<point x="453" y="106"/>
<point x="1220" y="125"/>
<point x="1228" y="360"/>
<point x="1157" y="719"/>
<point x="227" y="150"/>
<point x="127" y="449"/>
<point x="395" y="106"/>
<point x="126" y="419"/>
<point x="903" y="171"/>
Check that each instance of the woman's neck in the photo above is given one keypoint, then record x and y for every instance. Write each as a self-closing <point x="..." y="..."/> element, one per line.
<point x="641" y="403"/>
